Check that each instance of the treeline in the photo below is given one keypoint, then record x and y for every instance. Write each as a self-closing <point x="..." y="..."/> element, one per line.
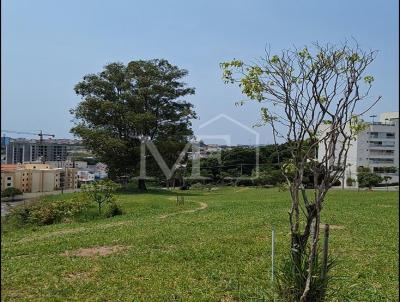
<point x="235" y="166"/>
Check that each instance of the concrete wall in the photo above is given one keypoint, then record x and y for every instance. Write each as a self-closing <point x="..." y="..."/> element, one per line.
<point x="7" y="180"/>
<point x="49" y="180"/>
<point x="44" y="180"/>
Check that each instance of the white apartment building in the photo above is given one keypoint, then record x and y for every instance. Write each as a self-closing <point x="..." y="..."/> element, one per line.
<point x="377" y="147"/>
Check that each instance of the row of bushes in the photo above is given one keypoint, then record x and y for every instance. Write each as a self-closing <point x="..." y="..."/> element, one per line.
<point x="50" y="212"/>
<point x="240" y="183"/>
<point x="44" y="212"/>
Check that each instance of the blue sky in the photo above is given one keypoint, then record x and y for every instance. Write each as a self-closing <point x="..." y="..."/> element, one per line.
<point x="47" y="47"/>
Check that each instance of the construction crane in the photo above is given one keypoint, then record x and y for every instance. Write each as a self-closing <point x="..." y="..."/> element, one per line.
<point x="40" y="134"/>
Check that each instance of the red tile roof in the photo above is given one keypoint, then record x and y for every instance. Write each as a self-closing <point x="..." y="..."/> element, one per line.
<point x="8" y="167"/>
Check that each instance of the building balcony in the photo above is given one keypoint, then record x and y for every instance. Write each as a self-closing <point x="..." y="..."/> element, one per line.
<point x="381" y="154"/>
<point x="383" y="124"/>
<point x="381" y="146"/>
<point x="389" y="161"/>
<point x="381" y="137"/>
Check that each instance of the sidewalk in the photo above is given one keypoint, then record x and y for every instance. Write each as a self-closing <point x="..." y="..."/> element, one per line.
<point x="390" y="188"/>
<point x="39" y="194"/>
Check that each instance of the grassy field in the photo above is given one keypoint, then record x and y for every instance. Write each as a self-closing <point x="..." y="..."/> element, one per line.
<point x="215" y="247"/>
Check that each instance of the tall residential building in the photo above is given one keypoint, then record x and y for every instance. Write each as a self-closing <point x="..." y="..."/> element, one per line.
<point x="377" y="148"/>
<point x="20" y="151"/>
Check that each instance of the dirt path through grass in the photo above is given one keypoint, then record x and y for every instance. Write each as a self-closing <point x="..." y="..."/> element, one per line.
<point x="203" y="206"/>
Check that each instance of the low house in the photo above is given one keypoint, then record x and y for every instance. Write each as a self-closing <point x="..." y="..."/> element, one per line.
<point x="37" y="177"/>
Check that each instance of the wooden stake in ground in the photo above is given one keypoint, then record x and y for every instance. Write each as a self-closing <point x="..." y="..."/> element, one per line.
<point x="272" y="254"/>
<point x="325" y="253"/>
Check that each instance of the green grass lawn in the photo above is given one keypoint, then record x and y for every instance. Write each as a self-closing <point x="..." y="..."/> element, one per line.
<point x="218" y="253"/>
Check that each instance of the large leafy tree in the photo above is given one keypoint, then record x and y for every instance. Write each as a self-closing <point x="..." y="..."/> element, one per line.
<point x="125" y="104"/>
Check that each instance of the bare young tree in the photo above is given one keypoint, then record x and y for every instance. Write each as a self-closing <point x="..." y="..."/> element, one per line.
<point x="312" y="98"/>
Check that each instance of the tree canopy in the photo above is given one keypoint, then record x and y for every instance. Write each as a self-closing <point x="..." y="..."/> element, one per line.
<point x="124" y="104"/>
<point x="366" y="178"/>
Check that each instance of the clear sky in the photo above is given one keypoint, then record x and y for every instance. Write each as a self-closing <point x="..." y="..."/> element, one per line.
<point x="47" y="47"/>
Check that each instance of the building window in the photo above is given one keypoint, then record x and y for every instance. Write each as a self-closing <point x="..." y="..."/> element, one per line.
<point x="373" y="134"/>
<point x="381" y="144"/>
<point x="8" y="177"/>
<point x="381" y="160"/>
<point x="8" y="185"/>
<point x="382" y="152"/>
<point x="385" y="169"/>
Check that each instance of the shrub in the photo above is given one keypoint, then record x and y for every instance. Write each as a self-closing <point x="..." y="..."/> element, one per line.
<point x="101" y="192"/>
<point x="350" y="181"/>
<point x="268" y="177"/>
<point x="45" y="213"/>
<point x="387" y="184"/>
<point x="112" y="210"/>
<point x="368" y="179"/>
<point x="11" y="192"/>
<point x="245" y="182"/>
<point x="197" y="185"/>
<point x="19" y="215"/>
<point x="185" y="187"/>
<point x="363" y="169"/>
<point x="290" y="282"/>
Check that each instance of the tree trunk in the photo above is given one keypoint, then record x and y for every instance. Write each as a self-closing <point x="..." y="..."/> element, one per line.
<point x="313" y="254"/>
<point x="142" y="184"/>
<point x="297" y="250"/>
<point x="325" y="253"/>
